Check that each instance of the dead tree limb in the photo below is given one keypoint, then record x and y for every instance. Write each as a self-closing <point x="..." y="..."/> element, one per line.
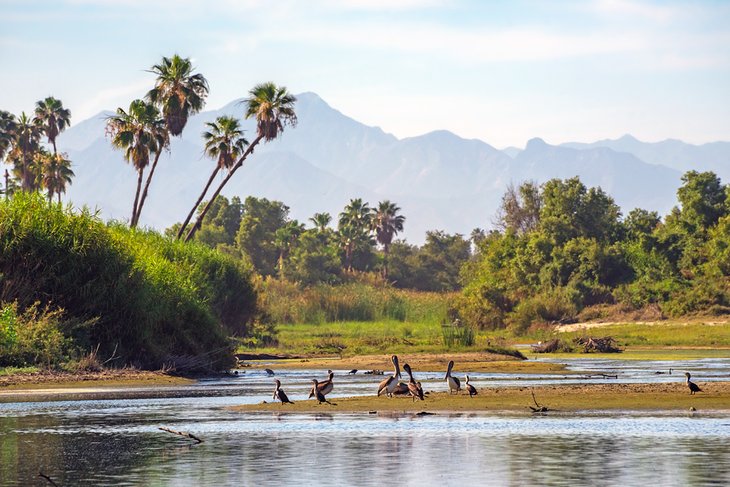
<point x="48" y="479"/>
<point x="539" y="408"/>
<point x="182" y="433"/>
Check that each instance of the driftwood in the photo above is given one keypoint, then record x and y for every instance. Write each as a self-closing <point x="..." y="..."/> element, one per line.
<point x="48" y="479"/>
<point x="603" y="376"/>
<point x="601" y="345"/>
<point x="539" y="408"/>
<point x="182" y="433"/>
<point x="551" y="346"/>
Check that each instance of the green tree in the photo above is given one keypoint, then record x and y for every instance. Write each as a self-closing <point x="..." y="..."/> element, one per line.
<point x="313" y="261"/>
<point x="53" y="118"/>
<point x="321" y="221"/>
<point x="703" y="200"/>
<point x="256" y="236"/>
<point x="56" y="173"/>
<point x="273" y="108"/>
<point x="25" y="147"/>
<point x="136" y="131"/>
<point x="386" y="222"/>
<point x="285" y="239"/>
<point x="178" y="92"/>
<point x="8" y="128"/>
<point x="224" y="142"/>
<point x="520" y="208"/>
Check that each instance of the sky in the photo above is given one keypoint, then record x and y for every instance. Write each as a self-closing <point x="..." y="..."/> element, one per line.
<point x="499" y="71"/>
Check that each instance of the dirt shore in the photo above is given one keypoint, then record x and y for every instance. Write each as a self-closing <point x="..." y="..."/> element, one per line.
<point x="105" y="378"/>
<point x="562" y="398"/>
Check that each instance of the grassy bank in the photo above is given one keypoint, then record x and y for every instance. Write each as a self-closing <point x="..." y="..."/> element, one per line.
<point x="564" y="398"/>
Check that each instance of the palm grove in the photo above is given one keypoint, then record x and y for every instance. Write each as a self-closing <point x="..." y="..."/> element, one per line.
<point x="560" y="252"/>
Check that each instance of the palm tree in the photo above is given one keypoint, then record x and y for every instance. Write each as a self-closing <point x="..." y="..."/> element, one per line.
<point x="273" y="108"/>
<point x="56" y="173"/>
<point x="178" y="92"/>
<point x="356" y="213"/>
<point x="386" y="222"/>
<point x="26" y="144"/>
<point x="52" y="118"/>
<point x="284" y="239"/>
<point x="224" y="142"/>
<point x="320" y="221"/>
<point x="131" y="131"/>
<point x="161" y="137"/>
<point x="8" y="128"/>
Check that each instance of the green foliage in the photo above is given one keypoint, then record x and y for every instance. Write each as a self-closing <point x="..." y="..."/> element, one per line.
<point x="152" y="299"/>
<point x="256" y="235"/>
<point x="457" y="335"/>
<point x="35" y="336"/>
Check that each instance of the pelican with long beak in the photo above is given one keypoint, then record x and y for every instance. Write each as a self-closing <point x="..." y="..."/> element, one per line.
<point x="470" y="388"/>
<point x="414" y="388"/>
<point x="318" y="393"/>
<point x="453" y="382"/>
<point x="390" y="384"/>
<point x="692" y="386"/>
<point x="280" y="394"/>
<point x="325" y="386"/>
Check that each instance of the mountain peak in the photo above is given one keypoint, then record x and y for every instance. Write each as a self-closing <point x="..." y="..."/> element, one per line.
<point x="535" y="143"/>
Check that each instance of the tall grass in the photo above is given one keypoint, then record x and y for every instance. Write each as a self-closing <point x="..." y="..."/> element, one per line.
<point x="285" y="302"/>
<point x="153" y="300"/>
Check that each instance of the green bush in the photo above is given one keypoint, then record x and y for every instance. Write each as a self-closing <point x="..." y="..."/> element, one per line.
<point x="34" y="337"/>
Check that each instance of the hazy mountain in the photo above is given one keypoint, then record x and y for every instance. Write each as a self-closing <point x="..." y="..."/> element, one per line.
<point x="441" y="181"/>
<point x="714" y="156"/>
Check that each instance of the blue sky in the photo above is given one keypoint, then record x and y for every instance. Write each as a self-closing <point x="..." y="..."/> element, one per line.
<point x="499" y="71"/>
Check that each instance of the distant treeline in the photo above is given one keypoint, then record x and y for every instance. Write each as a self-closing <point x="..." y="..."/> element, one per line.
<point x="71" y="285"/>
<point x="564" y="252"/>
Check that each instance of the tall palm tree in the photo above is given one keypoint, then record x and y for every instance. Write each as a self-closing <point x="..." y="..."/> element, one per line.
<point x="386" y="222"/>
<point x="52" y="118"/>
<point x="356" y="213"/>
<point x="225" y="143"/>
<point x="320" y="221"/>
<point x="26" y="144"/>
<point x="131" y="132"/>
<point x="56" y="173"/>
<point x="178" y="92"/>
<point x="161" y="138"/>
<point x="8" y="128"/>
<point x="284" y="239"/>
<point x="273" y="108"/>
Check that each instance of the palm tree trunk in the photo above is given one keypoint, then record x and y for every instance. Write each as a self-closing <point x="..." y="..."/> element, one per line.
<point x="146" y="186"/>
<point x="133" y="223"/>
<point x="197" y="203"/>
<point x="386" y="249"/>
<point x="199" y="220"/>
<point x="55" y="152"/>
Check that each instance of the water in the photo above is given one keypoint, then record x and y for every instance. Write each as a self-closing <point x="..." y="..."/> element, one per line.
<point x="114" y="440"/>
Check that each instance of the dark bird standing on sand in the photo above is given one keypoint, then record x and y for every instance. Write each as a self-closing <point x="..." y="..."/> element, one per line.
<point x="414" y="388"/>
<point x="470" y="388"/>
<point x="317" y="393"/>
<point x="280" y="394"/>
<point x="453" y="382"/>
<point x="692" y="386"/>
<point x="325" y="386"/>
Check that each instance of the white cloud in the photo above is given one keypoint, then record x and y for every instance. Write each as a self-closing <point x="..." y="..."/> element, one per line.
<point x="645" y="10"/>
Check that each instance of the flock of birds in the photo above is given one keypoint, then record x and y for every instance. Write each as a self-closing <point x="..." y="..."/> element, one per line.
<point x="392" y="386"/>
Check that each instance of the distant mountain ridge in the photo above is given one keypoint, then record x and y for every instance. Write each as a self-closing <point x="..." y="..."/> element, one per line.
<point x="441" y="181"/>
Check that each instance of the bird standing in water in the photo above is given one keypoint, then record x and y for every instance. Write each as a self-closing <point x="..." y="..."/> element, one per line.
<point x="453" y="382"/>
<point x="692" y="386"/>
<point x="470" y="388"/>
<point x="280" y="394"/>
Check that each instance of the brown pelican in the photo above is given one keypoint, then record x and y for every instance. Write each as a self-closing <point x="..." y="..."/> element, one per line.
<point x="453" y="382"/>
<point x="280" y="394"/>
<point x="470" y="388"/>
<point x="692" y="386"/>
<point x="325" y="386"/>
<point x="390" y="384"/>
<point x="414" y="388"/>
<point x="269" y="371"/>
<point x="318" y="393"/>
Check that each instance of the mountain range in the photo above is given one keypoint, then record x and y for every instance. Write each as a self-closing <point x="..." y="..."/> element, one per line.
<point x="440" y="181"/>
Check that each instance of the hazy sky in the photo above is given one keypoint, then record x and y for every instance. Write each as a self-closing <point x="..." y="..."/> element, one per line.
<point x="499" y="71"/>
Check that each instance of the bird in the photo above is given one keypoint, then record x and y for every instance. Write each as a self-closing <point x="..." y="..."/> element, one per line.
<point x="453" y="382"/>
<point x="318" y="393"/>
<point x="269" y="371"/>
<point x="325" y="386"/>
<point x="692" y="386"/>
<point x="280" y="394"/>
<point x="390" y="384"/>
<point x="353" y="371"/>
<point x="470" y="388"/>
<point x="414" y="388"/>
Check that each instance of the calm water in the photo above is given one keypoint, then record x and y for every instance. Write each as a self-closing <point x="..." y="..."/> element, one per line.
<point x="104" y="441"/>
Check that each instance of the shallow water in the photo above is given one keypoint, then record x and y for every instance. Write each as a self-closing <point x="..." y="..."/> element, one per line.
<point x="116" y="441"/>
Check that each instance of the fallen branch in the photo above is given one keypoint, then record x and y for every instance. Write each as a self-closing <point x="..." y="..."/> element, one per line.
<point x="182" y="433"/>
<point x="48" y="479"/>
<point x="538" y="409"/>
